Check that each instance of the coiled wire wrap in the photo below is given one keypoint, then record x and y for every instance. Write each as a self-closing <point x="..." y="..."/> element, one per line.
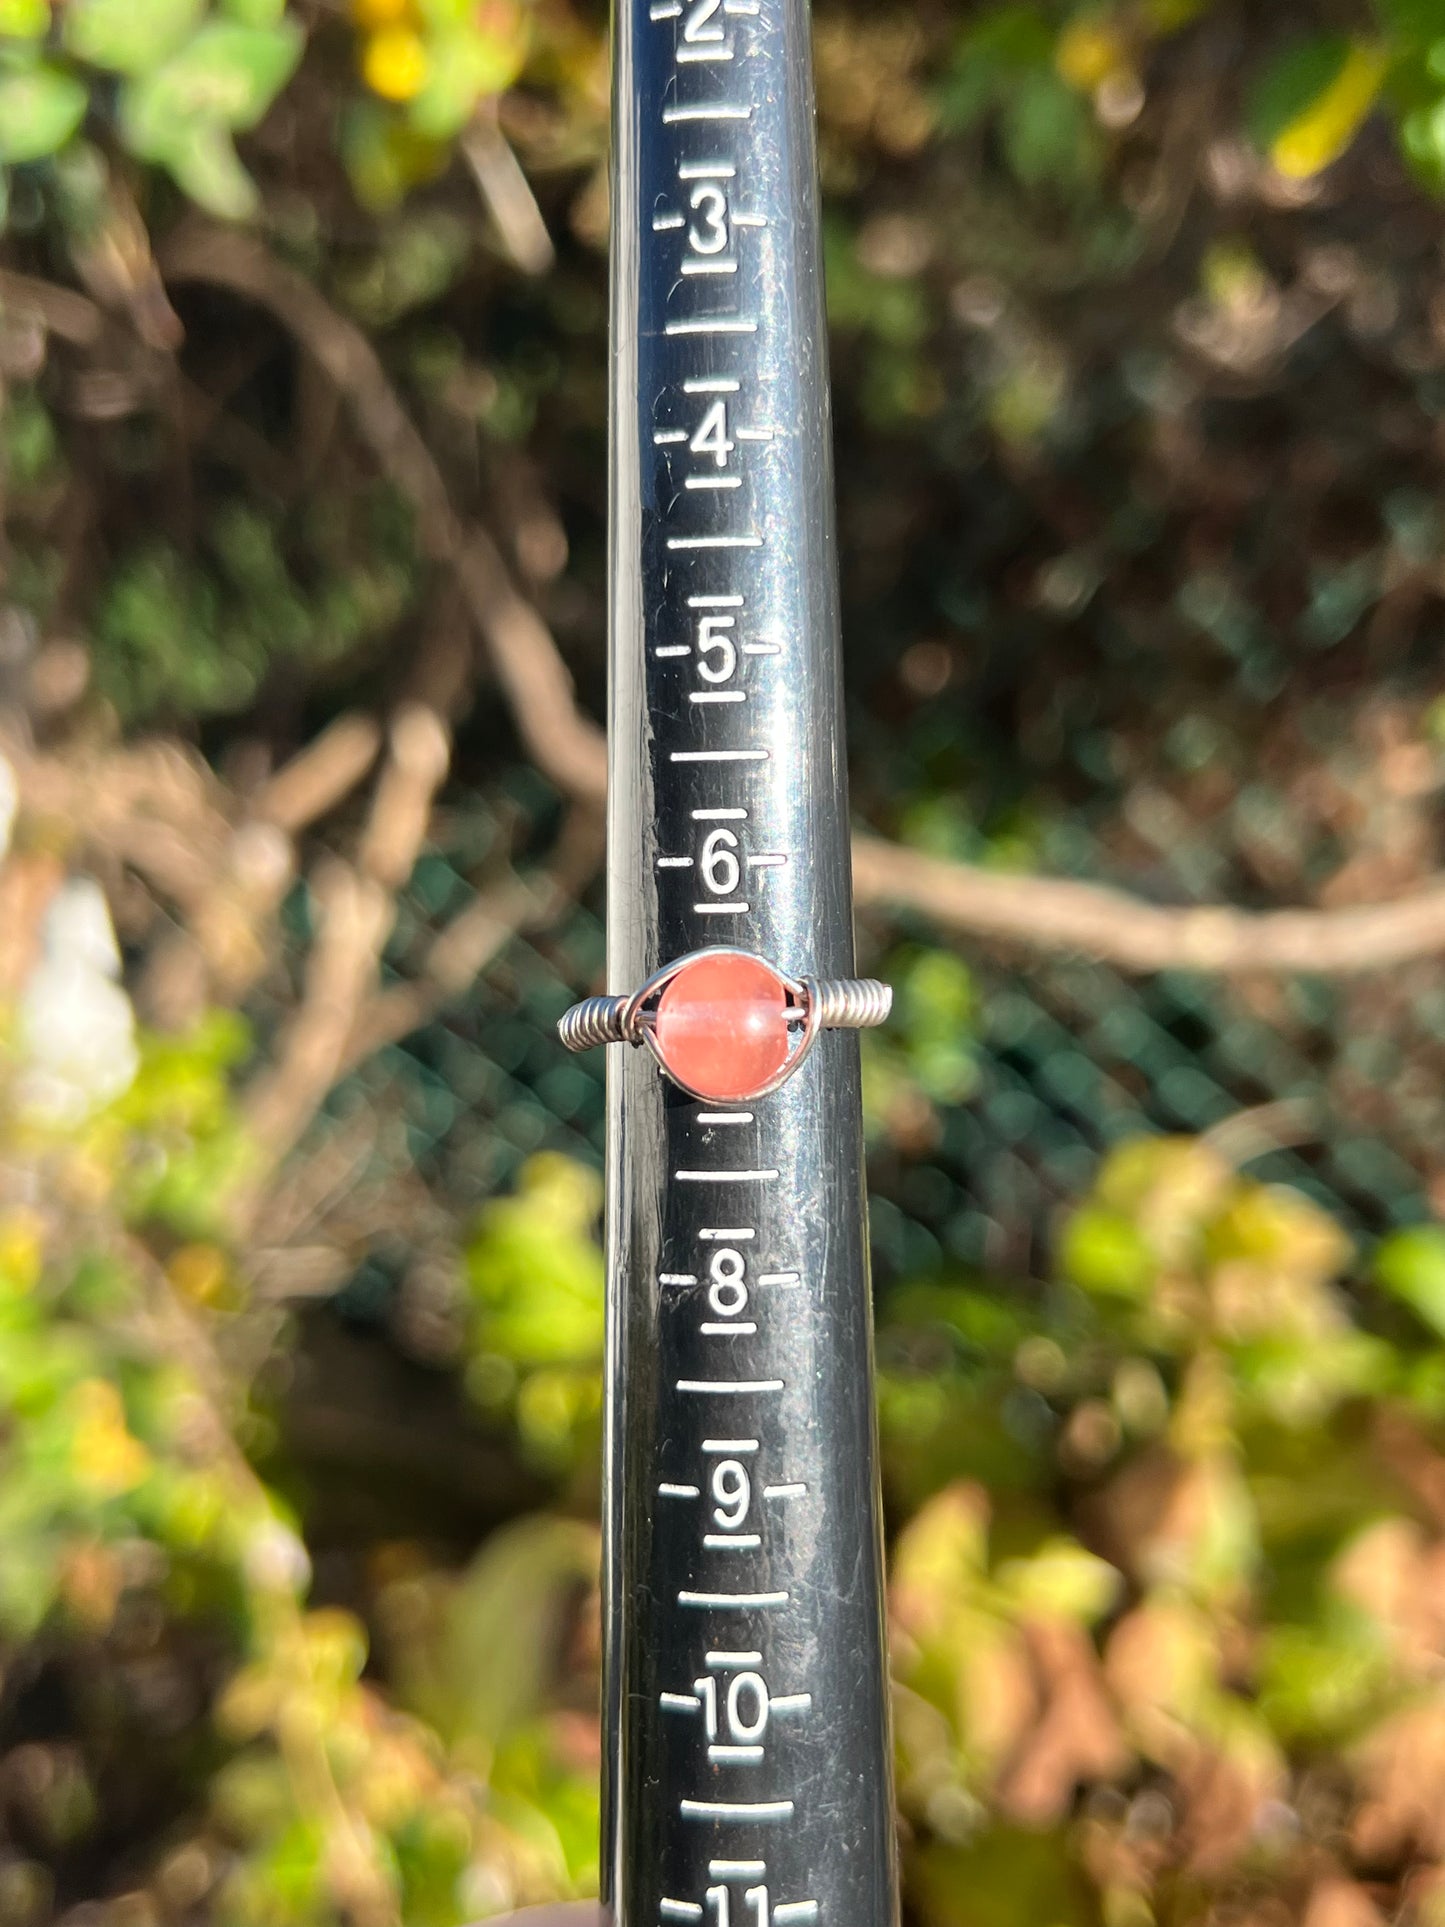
<point x="851" y="1003"/>
<point x="598" y="1020"/>
<point x="845" y="1003"/>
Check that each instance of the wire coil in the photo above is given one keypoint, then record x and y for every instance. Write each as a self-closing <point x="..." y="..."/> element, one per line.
<point x="598" y="1020"/>
<point x="851" y="1003"/>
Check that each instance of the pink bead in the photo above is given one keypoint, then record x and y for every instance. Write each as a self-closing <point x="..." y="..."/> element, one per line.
<point x="721" y="1027"/>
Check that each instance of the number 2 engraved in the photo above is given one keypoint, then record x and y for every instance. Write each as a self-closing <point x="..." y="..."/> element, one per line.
<point x="696" y="29"/>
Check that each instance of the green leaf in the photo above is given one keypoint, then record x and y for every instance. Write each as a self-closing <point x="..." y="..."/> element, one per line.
<point x="255" y="13"/>
<point x="1005" y="43"/>
<point x="485" y="1669"/>
<point x="226" y="77"/>
<point x="128" y="36"/>
<point x="1291" y="83"/>
<point x="40" y="108"/>
<point x="1411" y="1267"/>
<point x="1062" y="1581"/>
<point x="1048" y="132"/>
<point x="1105" y="1252"/>
<point x="1423" y="133"/>
<point x="24" y="19"/>
<point x="1415" y="22"/>
<point x="465" y="66"/>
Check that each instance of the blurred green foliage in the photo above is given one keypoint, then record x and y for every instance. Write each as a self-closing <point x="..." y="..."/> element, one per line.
<point x="134" y="1494"/>
<point x="176" y="81"/>
<point x="196" y="636"/>
<point x="535" y="1289"/>
<point x="1165" y="1549"/>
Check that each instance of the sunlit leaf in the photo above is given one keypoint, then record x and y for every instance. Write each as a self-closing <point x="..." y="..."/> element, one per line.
<point x="128" y="36"/>
<point x="24" y="19"/>
<point x="1311" y="102"/>
<point x="41" y="105"/>
<point x="226" y="77"/>
<point x="1063" y="1581"/>
<point x="1106" y="1253"/>
<point x="1410" y="1266"/>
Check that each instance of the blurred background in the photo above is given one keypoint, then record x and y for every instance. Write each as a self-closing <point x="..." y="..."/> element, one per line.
<point x="1138" y="338"/>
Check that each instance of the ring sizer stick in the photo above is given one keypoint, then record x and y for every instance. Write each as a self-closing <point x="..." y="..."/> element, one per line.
<point x="746" y="1750"/>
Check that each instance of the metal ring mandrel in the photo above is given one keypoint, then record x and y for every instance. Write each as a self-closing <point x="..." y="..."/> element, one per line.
<point x="727" y="1026"/>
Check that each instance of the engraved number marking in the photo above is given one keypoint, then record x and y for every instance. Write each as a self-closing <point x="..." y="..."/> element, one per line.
<point x="742" y="1712"/>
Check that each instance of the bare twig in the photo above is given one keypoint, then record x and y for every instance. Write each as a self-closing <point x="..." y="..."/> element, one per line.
<point x="1046" y="913"/>
<point x="60" y="310"/>
<point x="1246" y="1135"/>
<point x="508" y="193"/>
<point x="356" y="910"/>
<point x="459" y="955"/>
<point x="353" y="914"/>
<point x="401" y="810"/>
<point x="566" y="745"/>
<point x="155" y="808"/>
<point x="319" y="776"/>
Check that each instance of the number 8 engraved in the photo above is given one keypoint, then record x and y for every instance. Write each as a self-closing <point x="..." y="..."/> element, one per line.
<point x="727" y="1294"/>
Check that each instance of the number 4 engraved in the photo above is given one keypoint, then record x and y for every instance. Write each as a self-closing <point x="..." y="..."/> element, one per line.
<point x="711" y="437"/>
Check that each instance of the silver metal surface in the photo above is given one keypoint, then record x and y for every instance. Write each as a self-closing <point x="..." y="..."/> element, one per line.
<point x="747" y="1778"/>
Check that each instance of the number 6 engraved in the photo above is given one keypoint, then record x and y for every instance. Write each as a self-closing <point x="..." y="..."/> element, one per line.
<point x="720" y="866"/>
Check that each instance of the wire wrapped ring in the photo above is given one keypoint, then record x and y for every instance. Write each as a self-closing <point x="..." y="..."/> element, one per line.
<point x="778" y="1020"/>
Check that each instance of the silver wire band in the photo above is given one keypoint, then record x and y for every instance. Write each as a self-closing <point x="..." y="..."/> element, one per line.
<point x="846" y="1003"/>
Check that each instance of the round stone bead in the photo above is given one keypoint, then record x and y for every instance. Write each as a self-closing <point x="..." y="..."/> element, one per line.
<point x="721" y="1027"/>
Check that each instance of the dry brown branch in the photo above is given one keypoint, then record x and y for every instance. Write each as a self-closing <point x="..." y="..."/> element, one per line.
<point x="566" y="745"/>
<point x="461" y="951"/>
<point x="414" y="771"/>
<point x="460" y="954"/>
<point x="508" y="193"/>
<point x="353" y="915"/>
<point x="59" y="310"/>
<point x="1046" y="913"/>
<point x="153" y="806"/>
<point x="316" y="779"/>
<point x="356" y="909"/>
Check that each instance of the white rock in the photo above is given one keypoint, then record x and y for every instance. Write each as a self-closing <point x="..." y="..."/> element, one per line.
<point x="78" y="929"/>
<point x="77" y="1040"/>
